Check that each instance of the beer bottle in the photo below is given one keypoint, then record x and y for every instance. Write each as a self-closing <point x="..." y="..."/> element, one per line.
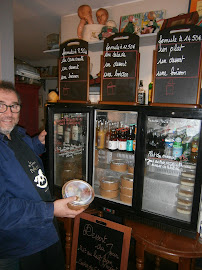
<point x="122" y="141"/>
<point x="194" y="149"/>
<point x="107" y="135"/>
<point x="141" y="94"/>
<point x="129" y="142"/>
<point x="60" y="129"/>
<point x="113" y="140"/>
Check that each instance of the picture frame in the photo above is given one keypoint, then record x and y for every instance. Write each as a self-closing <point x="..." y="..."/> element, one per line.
<point x="196" y="5"/>
<point x="142" y="23"/>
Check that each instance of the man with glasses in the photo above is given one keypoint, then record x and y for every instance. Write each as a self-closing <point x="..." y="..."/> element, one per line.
<point x="28" y="238"/>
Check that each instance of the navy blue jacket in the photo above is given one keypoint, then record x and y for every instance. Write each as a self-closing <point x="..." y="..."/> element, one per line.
<point x="26" y="222"/>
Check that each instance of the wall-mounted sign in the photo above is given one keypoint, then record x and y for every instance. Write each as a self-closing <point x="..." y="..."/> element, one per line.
<point x="177" y="68"/>
<point x="74" y="71"/>
<point x="120" y="69"/>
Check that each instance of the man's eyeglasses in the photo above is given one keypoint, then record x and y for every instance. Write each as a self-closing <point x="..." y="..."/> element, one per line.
<point x="15" y="108"/>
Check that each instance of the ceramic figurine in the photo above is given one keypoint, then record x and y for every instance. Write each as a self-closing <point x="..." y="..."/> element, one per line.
<point x="102" y="16"/>
<point x="108" y="30"/>
<point x="85" y="14"/>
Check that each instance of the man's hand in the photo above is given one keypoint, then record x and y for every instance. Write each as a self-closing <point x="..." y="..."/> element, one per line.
<point x="61" y="209"/>
<point x="42" y="136"/>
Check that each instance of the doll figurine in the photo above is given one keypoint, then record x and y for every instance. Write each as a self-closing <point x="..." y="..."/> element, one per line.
<point x="102" y="16"/>
<point x="85" y="14"/>
<point x="108" y="30"/>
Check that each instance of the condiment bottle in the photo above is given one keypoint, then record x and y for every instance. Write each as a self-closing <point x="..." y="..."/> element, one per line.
<point x="101" y="137"/>
<point x="150" y="92"/>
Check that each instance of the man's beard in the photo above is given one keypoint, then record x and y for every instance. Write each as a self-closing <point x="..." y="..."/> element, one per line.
<point x="7" y="129"/>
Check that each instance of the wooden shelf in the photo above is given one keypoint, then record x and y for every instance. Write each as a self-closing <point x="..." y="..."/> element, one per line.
<point x="145" y="40"/>
<point x="54" y="52"/>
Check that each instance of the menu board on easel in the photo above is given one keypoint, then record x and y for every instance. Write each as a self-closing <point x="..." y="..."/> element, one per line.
<point x="74" y="71"/>
<point x="120" y="69"/>
<point x="99" y="244"/>
<point x="177" y="68"/>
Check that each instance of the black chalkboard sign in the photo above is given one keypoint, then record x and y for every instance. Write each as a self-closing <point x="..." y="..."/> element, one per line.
<point x="74" y="71"/>
<point x="178" y="66"/>
<point x="120" y="69"/>
<point x="99" y="244"/>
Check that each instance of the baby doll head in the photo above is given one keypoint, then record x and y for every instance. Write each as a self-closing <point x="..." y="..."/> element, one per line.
<point x="102" y="16"/>
<point x="111" y="24"/>
<point x="85" y="13"/>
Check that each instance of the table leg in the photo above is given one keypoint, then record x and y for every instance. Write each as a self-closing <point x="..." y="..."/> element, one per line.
<point x="139" y="256"/>
<point x="193" y="264"/>
<point x="184" y="264"/>
<point x="157" y="263"/>
<point x="68" y="225"/>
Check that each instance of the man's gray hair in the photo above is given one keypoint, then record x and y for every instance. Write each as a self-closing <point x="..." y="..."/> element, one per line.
<point x="9" y="87"/>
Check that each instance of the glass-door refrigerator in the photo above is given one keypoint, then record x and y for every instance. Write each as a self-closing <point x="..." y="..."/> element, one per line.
<point x="143" y="162"/>
<point x="69" y="142"/>
<point x="168" y="186"/>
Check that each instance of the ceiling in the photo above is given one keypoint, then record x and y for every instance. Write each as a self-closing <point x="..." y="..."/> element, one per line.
<point x="34" y="20"/>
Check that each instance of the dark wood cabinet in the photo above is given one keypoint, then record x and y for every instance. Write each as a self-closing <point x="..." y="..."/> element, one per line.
<point x="29" y="116"/>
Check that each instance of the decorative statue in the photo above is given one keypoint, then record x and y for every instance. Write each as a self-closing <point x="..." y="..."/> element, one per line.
<point x="108" y="30"/>
<point x="102" y="16"/>
<point x="85" y="14"/>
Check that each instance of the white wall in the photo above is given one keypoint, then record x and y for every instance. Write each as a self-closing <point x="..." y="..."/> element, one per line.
<point x="69" y="23"/>
<point x="173" y="8"/>
<point x="6" y="41"/>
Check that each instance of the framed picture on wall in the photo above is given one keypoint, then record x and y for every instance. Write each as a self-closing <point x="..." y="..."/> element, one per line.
<point x="196" y="5"/>
<point x="142" y="23"/>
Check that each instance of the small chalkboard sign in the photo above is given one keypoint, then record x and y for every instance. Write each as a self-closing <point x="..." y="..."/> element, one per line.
<point x="120" y="69"/>
<point x="99" y="244"/>
<point x="74" y="71"/>
<point x="177" y="68"/>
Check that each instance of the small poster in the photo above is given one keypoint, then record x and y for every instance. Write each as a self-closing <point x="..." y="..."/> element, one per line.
<point x="142" y="23"/>
<point x="196" y="5"/>
<point x="131" y="23"/>
<point x="152" y="21"/>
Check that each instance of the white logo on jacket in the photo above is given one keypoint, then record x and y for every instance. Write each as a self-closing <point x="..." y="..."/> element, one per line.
<point x="41" y="180"/>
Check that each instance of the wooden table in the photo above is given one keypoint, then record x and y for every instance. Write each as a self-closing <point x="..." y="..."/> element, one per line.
<point x="178" y="249"/>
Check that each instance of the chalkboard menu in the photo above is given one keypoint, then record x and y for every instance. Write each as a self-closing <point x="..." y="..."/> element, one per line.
<point x="99" y="244"/>
<point x="74" y="71"/>
<point x="120" y="69"/>
<point x="178" y="66"/>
